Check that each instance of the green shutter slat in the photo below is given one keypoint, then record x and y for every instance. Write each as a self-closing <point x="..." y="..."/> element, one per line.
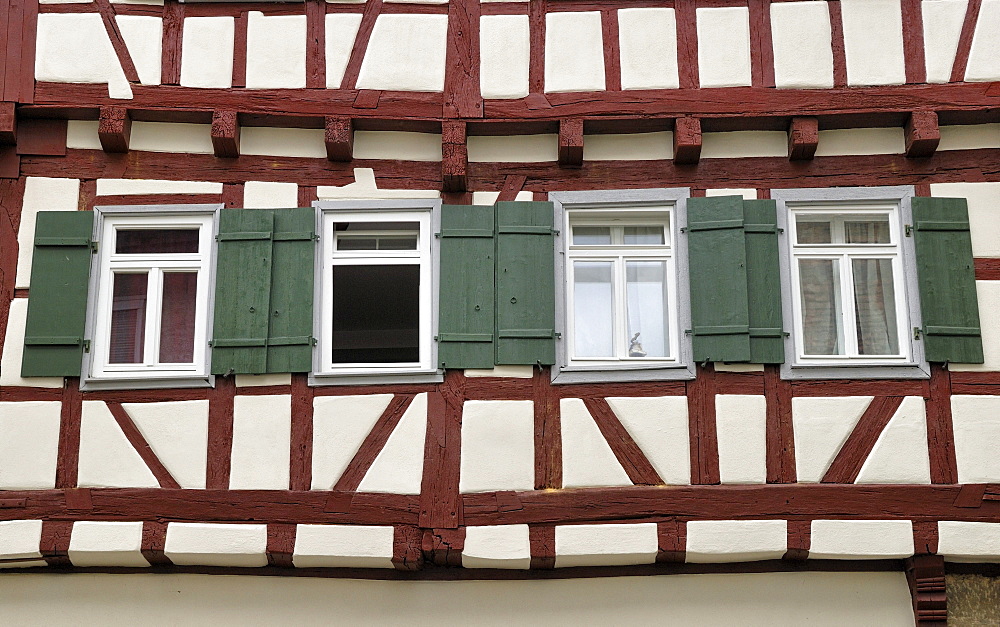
<point x="242" y="290"/>
<point x="57" y="305"/>
<point x="717" y="260"/>
<point x="767" y="342"/>
<point x="525" y="283"/>
<point x="291" y="314"/>
<point x="947" y="281"/>
<point x="466" y="304"/>
<point x="239" y="342"/>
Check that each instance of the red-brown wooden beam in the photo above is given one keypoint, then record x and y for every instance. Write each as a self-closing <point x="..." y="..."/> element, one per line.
<point x="846" y="466"/>
<point x="107" y="11"/>
<point x="220" y="433"/>
<point x="922" y="134"/>
<point x="925" y="575"/>
<point x="987" y="269"/>
<point x="173" y="27"/>
<point x="440" y="501"/>
<point x="612" y="49"/>
<point x="226" y="134"/>
<point x="548" y="431"/>
<point x="339" y="138"/>
<point x="571" y="142"/>
<point x="687" y="141"/>
<point x="8" y="124"/>
<point x="301" y="454"/>
<point x="687" y="44"/>
<point x="454" y="156"/>
<point x="799" y="540"/>
<point x="373" y="444"/>
<point x="141" y="446"/>
<point x="671" y="542"/>
<point x="462" y="96"/>
<point x="407" y="548"/>
<point x="637" y="466"/>
<point x="803" y="138"/>
<point x="913" y="40"/>
<point x="965" y="41"/>
<point x="240" y="30"/>
<point x="68" y="456"/>
<point x="371" y="13"/>
<point x="761" y="46"/>
<point x="542" y="540"/>
<point x="780" y="442"/>
<point x="315" y="44"/>
<point x="704" y="441"/>
<point x="536" y="64"/>
<point x="837" y="42"/>
<point x="940" y="429"/>
<point x="114" y="129"/>
<point x="41" y="137"/>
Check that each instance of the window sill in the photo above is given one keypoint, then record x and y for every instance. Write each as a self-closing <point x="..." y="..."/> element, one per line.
<point x="146" y="383"/>
<point x="621" y="374"/>
<point x="376" y="378"/>
<point x="848" y="371"/>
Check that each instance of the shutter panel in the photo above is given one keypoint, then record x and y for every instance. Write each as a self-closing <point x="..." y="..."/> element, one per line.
<point x="948" y="303"/>
<point x="290" y="335"/>
<point x="57" y="304"/>
<point x="717" y="259"/>
<point x="525" y="283"/>
<point x="466" y="305"/>
<point x="767" y="343"/>
<point x="242" y="291"/>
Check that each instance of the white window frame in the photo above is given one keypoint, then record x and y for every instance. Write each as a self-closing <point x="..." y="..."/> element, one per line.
<point x="891" y="201"/>
<point x="599" y="208"/>
<point x="426" y="213"/>
<point x="99" y="373"/>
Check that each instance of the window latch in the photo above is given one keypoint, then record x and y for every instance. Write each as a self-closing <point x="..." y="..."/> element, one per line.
<point x="909" y="230"/>
<point x="916" y="333"/>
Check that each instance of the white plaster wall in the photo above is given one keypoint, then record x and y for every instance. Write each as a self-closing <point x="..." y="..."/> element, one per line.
<point x="177" y="432"/>
<point x="262" y="428"/>
<point x="262" y="380"/>
<point x="647" y="40"/>
<point x="606" y="545"/>
<point x="861" y="539"/>
<point x="587" y="458"/>
<point x="982" y="199"/>
<point x="943" y="21"/>
<point x="717" y="541"/>
<point x="13" y="347"/>
<point x="340" y="425"/>
<point x="270" y="195"/>
<point x="984" y="56"/>
<point x="497" y="546"/>
<point x="74" y="48"/>
<point x="513" y="148"/>
<point x="510" y="372"/>
<point x="498" y="446"/>
<point x="803" y="53"/>
<point x="504" y="54"/>
<point x="94" y="543"/>
<point x="82" y="134"/>
<point x="343" y="546"/>
<point x="402" y="145"/>
<point x="197" y="544"/>
<point x="406" y="53"/>
<point x="628" y="146"/>
<point x="341" y="29"/>
<point x="861" y="141"/>
<point x="659" y="426"/>
<point x="207" y="52"/>
<point x="900" y="453"/>
<point x="40" y="194"/>
<point x="744" y="144"/>
<point x="125" y="187"/>
<point x="969" y="137"/>
<point x="741" y="427"/>
<point x="170" y="137"/>
<point x="276" y="51"/>
<point x="747" y="194"/>
<point x="143" y="37"/>
<point x="107" y="458"/>
<point x="29" y="442"/>
<point x="977" y="437"/>
<point x="574" y="51"/>
<point x="20" y="539"/>
<point x="960" y="541"/>
<point x="821" y="426"/>
<point x="724" y="46"/>
<point x="399" y="465"/>
<point x="873" y="42"/>
<point x="282" y="142"/>
<point x="365" y="187"/>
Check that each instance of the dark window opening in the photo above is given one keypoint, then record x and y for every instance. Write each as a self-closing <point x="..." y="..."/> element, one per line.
<point x="376" y="314"/>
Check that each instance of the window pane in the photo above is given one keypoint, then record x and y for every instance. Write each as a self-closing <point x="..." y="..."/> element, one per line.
<point x="379" y="242"/>
<point x="819" y="280"/>
<point x="644" y="235"/>
<point x="180" y="290"/>
<point x="812" y="231"/>
<point x="867" y="231"/>
<point x="593" y="309"/>
<point x="128" y="319"/>
<point x="646" y="291"/>
<point x="875" y="301"/>
<point x="356" y="227"/>
<point x="591" y="235"/>
<point x="376" y="314"/>
<point x="156" y="241"/>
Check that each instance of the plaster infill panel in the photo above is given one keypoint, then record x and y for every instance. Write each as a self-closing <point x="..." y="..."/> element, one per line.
<point x="13" y="347"/>
<point x="198" y="544"/>
<point x="900" y="454"/>
<point x="803" y="52"/>
<point x="498" y="446"/>
<point x="873" y="42"/>
<point x="341" y="29"/>
<point x="497" y="546"/>
<point x="659" y="426"/>
<point x="861" y="141"/>
<point x="171" y="137"/>
<point x="861" y="539"/>
<point x="504" y="53"/>
<point x="719" y="541"/>
<point x="143" y="37"/>
<point x="340" y="425"/>
<point x="734" y="144"/>
<point x="724" y="46"/>
<point x="126" y="187"/>
<point x="942" y="22"/>
<point x="261" y="442"/>
<point x="40" y="194"/>
<point x="984" y="55"/>
<point x="606" y="545"/>
<point x="29" y="443"/>
<point x="588" y="460"/>
<point x="177" y="433"/>
<point x="207" y="52"/>
<point x="741" y="425"/>
<point x="276" y="51"/>
<point x="343" y="546"/>
<point x="20" y="539"/>
<point x="960" y="541"/>
<point x="969" y="137"/>
<point x="629" y="146"/>
<point x="107" y="544"/>
<point x="406" y="53"/>
<point x="75" y="48"/>
<point x="982" y="199"/>
<point x="107" y="458"/>
<point x="399" y="466"/>
<point x="270" y="195"/>
<point x="821" y="426"/>
<point x="574" y="51"/>
<point x="977" y="437"/>
<point x="647" y="39"/>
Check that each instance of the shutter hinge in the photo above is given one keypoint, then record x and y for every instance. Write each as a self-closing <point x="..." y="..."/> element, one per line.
<point x="93" y="247"/>
<point x="86" y="346"/>
<point x="916" y="333"/>
<point x="909" y="233"/>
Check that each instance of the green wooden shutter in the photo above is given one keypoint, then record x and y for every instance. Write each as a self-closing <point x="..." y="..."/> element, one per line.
<point x="242" y="291"/>
<point x="525" y="276"/>
<point x="290" y="335"/>
<point x="466" y="320"/>
<point x="57" y="305"/>
<point x="767" y="344"/>
<point x="946" y="277"/>
<point x="720" y="323"/>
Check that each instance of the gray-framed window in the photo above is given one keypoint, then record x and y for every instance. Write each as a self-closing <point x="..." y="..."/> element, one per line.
<point x="622" y="286"/>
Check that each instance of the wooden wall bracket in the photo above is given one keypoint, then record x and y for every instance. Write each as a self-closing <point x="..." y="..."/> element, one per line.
<point x="922" y="134"/>
<point x="571" y="142"/>
<point x="925" y="574"/>
<point x="8" y="124"/>
<point x="803" y="138"/>
<point x="114" y="129"/>
<point x="339" y="138"/>
<point x="226" y="134"/>
<point x="454" y="156"/>
<point x="687" y="140"/>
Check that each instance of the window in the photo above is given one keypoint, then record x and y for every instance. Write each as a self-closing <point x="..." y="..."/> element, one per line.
<point x="622" y="265"/>
<point x="376" y="312"/>
<point x="152" y="284"/>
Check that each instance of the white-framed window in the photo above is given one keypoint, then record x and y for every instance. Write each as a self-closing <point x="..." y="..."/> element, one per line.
<point x="622" y="269"/>
<point x="149" y="317"/>
<point x="849" y="283"/>
<point x="376" y="291"/>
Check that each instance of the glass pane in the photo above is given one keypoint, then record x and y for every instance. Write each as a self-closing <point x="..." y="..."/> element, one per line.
<point x="156" y="241"/>
<point x="867" y="231"/>
<point x="593" y="309"/>
<point x="644" y="235"/>
<point x="376" y="314"/>
<point x="355" y="227"/>
<point x="646" y="292"/>
<point x="875" y="314"/>
<point x="819" y="280"/>
<point x="180" y="291"/>
<point x="378" y="242"/>
<point x="810" y="231"/>
<point x="128" y="319"/>
<point x="591" y="235"/>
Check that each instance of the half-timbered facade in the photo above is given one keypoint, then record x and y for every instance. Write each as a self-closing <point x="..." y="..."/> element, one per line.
<point x="485" y="290"/>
